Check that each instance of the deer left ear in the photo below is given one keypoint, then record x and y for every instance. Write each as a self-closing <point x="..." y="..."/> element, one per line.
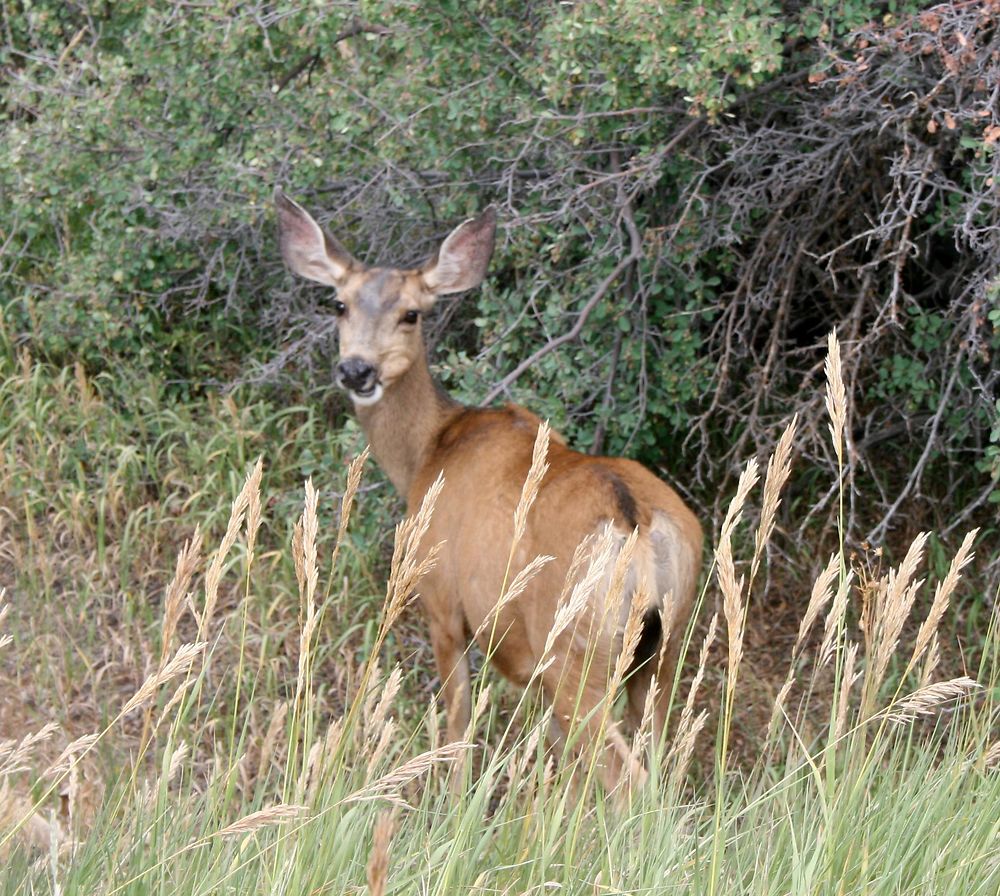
<point x="462" y="260"/>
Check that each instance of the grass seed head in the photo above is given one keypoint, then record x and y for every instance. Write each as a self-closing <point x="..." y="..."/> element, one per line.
<point x="928" y="699"/>
<point x="836" y="395"/>
<point x="378" y="861"/>
<point x="255" y="821"/>
<point x="779" y="468"/>
<point x="536" y="472"/>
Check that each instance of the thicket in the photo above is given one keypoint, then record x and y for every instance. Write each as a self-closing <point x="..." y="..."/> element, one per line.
<point x="691" y="198"/>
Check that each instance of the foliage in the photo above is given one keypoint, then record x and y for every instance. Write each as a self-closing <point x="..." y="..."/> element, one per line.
<point x="241" y="759"/>
<point x="706" y="191"/>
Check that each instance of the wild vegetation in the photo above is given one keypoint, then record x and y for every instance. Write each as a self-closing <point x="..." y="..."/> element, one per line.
<point x="206" y="684"/>
<point x="239" y="762"/>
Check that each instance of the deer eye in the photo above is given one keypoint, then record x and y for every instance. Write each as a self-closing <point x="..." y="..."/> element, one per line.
<point x="411" y="317"/>
<point x="339" y="308"/>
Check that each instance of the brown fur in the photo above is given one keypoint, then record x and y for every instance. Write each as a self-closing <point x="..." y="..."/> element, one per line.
<point x="416" y="432"/>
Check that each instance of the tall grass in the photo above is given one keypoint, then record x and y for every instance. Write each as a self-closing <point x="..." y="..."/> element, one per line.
<point x="874" y="776"/>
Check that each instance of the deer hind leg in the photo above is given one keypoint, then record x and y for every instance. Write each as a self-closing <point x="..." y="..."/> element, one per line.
<point x="643" y="671"/>
<point x="577" y="688"/>
<point x="674" y="570"/>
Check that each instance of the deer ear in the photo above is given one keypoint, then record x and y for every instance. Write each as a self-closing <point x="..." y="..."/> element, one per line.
<point x="307" y="248"/>
<point x="462" y="260"/>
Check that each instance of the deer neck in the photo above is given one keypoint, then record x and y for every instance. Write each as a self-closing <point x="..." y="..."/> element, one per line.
<point x="402" y="428"/>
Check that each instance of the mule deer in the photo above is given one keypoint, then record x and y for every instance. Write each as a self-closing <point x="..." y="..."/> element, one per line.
<point x="416" y="431"/>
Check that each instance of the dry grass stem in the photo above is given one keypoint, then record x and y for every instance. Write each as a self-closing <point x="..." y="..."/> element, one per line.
<point x="378" y="861"/>
<point x="61" y="764"/>
<point x="895" y="599"/>
<point x="529" y="491"/>
<point x="514" y="590"/>
<point x="273" y="815"/>
<point x="310" y="532"/>
<point x="14" y="753"/>
<point x="928" y="699"/>
<point x="644" y="733"/>
<point x="178" y="591"/>
<point x="581" y="555"/>
<point x="386" y="736"/>
<point x="388" y="695"/>
<point x="254" y="511"/>
<point x="177" y="759"/>
<point x="684" y="749"/>
<point x="275" y="731"/>
<point x="731" y="587"/>
<point x="323" y="752"/>
<point x="180" y="662"/>
<point x="334" y="736"/>
<point x="733" y="609"/>
<point x="310" y="578"/>
<point x="942" y="597"/>
<point x="601" y="555"/>
<point x="778" y="710"/>
<point x="836" y="395"/>
<point x="388" y="786"/>
<point x="822" y="591"/>
<point x="931" y="661"/>
<point x="630" y="637"/>
<point x="519" y="758"/>
<point x="778" y="469"/>
<point x="847" y="680"/>
<point x="214" y="574"/>
<point x="354" y="472"/>
<point x="175" y="698"/>
<point x="835" y="620"/>
<point x="748" y="479"/>
<point x="409" y="564"/>
<point x="299" y="559"/>
<point x="482" y="701"/>
<point x="614" y="594"/>
<point x="4" y="609"/>
<point x="687" y="713"/>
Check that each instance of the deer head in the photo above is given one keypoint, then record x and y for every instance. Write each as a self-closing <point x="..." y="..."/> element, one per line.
<point x="379" y="309"/>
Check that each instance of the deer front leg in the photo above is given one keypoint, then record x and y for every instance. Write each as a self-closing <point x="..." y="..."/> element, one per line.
<point x="452" y="659"/>
<point x="450" y="654"/>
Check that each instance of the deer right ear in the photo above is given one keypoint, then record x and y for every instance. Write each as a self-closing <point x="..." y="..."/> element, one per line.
<point x="307" y="248"/>
<point x="461" y="262"/>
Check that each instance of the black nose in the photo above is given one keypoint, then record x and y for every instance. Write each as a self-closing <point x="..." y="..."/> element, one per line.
<point x="356" y="374"/>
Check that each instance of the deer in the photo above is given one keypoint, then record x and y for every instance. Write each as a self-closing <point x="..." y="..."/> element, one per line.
<point x="417" y="431"/>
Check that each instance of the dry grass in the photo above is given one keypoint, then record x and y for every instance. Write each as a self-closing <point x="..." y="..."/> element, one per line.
<point x="310" y="729"/>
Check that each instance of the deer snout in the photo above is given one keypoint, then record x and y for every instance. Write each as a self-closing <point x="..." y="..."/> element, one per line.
<point x="357" y="375"/>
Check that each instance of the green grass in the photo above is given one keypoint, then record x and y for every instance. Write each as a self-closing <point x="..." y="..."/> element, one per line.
<point x="302" y="720"/>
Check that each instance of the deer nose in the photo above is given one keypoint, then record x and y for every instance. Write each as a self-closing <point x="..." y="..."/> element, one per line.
<point x="356" y="374"/>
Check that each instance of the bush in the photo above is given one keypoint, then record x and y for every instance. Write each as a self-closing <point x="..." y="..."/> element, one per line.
<point x="695" y="196"/>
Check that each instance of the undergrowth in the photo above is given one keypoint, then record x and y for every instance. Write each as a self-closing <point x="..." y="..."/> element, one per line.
<point x="280" y="737"/>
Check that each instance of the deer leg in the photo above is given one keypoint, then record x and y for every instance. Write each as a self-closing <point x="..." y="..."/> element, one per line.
<point x="637" y="687"/>
<point x="643" y="669"/>
<point x="584" y="705"/>
<point x="449" y="643"/>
